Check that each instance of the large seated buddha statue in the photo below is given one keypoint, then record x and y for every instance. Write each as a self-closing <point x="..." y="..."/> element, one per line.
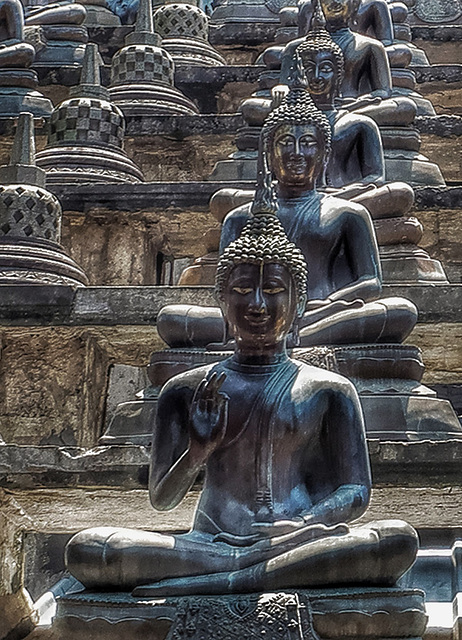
<point x="336" y="237"/>
<point x="261" y="523"/>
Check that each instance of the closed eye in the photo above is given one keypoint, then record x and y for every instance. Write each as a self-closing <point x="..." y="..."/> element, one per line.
<point x="242" y="290"/>
<point x="273" y="290"/>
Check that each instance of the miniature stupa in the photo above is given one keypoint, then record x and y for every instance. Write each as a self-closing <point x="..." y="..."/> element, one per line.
<point x="85" y="143"/>
<point x="184" y="29"/>
<point x="30" y="220"/>
<point x="142" y="77"/>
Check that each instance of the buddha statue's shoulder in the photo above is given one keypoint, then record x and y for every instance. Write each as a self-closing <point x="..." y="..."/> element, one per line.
<point x="318" y="380"/>
<point x="366" y="42"/>
<point x="233" y="224"/>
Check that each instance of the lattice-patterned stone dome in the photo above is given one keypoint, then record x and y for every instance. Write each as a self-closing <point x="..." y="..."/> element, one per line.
<point x="29" y="211"/>
<point x="142" y="63"/>
<point x="87" y="120"/>
<point x="184" y="29"/>
<point x="179" y="20"/>
<point x="30" y="220"/>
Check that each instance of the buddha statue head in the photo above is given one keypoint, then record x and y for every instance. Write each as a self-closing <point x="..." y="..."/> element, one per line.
<point x="261" y="277"/>
<point x="322" y="61"/>
<point x="296" y="138"/>
<point x="340" y="13"/>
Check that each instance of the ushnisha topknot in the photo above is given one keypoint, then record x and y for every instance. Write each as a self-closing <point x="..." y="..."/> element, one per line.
<point x="297" y="108"/>
<point x="318" y="39"/>
<point x="263" y="240"/>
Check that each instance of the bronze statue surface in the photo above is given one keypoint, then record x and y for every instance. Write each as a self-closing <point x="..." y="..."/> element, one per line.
<point x="335" y="236"/>
<point x="284" y="450"/>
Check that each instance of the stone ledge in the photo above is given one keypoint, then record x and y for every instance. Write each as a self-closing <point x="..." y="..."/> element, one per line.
<point x="442" y="126"/>
<point x="126" y="466"/>
<point x="186" y="195"/>
<point x="438" y="33"/>
<point x="32" y="305"/>
<point x="35" y="305"/>
<point x="215" y="78"/>
<point x="448" y="73"/>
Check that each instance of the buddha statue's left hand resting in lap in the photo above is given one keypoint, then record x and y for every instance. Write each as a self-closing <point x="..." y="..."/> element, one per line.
<point x="284" y="451"/>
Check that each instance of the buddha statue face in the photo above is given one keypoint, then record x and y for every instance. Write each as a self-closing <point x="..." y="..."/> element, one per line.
<point x="296" y="155"/>
<point x="321" y="72"/>
<point x="339" y="12"/>
<point x="260" y="303"/>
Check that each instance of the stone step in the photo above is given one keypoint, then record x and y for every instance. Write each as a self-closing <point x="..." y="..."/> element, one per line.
<point x="187" y="195"/>
<point x="45" y="305"/>
<point x="217" y="77"/>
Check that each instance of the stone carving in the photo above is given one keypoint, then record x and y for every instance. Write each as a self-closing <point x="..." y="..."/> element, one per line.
<point x="30" y="219"/>
<point x="437" y="11"/>
<point x="184" y="30"/>
<point x="85" y="142"/>
<point x="18" y="83"/>
<point x="278" y="616"/>
<point x="142" y="74"/>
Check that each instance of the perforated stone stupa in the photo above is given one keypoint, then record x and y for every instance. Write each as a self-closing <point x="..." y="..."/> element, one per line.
<point x="142" y="76"/>
<point x="30" y="221"/>
<point x="184" y="29"/>
<point x="85" y="143"/>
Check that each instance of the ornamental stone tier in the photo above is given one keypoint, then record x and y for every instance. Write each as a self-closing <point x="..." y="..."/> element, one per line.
<point x="142" y="74"/>
<point x="184" y="29"/>
<point x="30" y="221"/>
<point x="85" y="143"/>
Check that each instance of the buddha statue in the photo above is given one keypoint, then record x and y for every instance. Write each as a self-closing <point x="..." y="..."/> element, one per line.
<point x="260" y="524"/>
<point x="335" y="236"/>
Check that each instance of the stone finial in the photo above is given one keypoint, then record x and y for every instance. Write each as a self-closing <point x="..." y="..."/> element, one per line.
<point x="90" y="78"/>
<point x="21" y="168"/>
<point x="144" y="27"/>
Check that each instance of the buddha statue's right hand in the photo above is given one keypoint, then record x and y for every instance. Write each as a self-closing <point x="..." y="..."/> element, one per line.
<point x="208" y="417"/>
<point x="278" y="93"/>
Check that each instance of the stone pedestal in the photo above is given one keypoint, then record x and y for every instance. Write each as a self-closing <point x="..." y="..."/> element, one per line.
<point x="18" y="93"/>
<point x="369" y="613"/>
<point x="98" y="15"/>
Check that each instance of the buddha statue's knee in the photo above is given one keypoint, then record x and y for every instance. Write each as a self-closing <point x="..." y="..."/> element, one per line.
<point x="398" y="543"/>
<point x="70" y="13"/>
<point x="255" y="110"/>
<point x="393" y="112"/>
<point x="271" y="57"/>
<point x="182" y="325"/>
<point x="387" y="201"/>
<point x="399" y="55"/>
<point x="401" y="318"/>
<point x="20" y="54"/>
<point x="86" y="557"/>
